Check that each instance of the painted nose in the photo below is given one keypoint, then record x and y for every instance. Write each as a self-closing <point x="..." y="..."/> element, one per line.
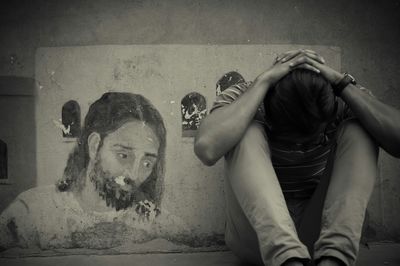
<point x="133" y="173"/>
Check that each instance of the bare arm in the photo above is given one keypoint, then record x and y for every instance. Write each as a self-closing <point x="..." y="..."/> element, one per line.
<point x="380" y="120"/>
<point x="222" y="129"/>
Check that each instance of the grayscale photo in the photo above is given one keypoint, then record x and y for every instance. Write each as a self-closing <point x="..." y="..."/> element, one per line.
<point x="212" y="133"/>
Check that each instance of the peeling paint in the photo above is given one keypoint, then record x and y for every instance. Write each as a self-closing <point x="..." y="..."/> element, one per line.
<point x="194" y="109"/>
<point x="120" y="180"/>
<point x="65" y="130"/>
<point x="106" y="235"/>
<point x="52" y="76"/>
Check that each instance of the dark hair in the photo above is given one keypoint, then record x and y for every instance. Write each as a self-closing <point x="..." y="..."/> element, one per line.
<point x="106" y="115"/>
<point x="299" y="103"/>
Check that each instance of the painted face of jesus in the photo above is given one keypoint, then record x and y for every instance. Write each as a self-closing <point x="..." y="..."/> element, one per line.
<point x="123" y="162"/>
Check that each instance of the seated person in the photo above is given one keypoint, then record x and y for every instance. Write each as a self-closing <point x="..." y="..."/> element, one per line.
<point x="298" y="122"/>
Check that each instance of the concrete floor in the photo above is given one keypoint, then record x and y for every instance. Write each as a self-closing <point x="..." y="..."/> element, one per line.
<point x="377" y="255"/>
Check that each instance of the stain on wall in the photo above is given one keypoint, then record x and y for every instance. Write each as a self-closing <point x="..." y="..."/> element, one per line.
<point x="193" y="109"/>
<point x="71" y="119"/>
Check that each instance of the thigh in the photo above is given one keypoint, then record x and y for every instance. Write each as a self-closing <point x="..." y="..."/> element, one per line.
<point x="355" y="161"/>
<point x="249" y="168"/>
<point x="257" y="215"/>
<point x="245" y="166"/>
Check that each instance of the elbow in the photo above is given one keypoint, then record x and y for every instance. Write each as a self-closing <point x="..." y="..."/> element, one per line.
<point x="203" y="150"/>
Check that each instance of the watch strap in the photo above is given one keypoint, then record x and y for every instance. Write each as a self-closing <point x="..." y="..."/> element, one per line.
<point x="346" y="80"/>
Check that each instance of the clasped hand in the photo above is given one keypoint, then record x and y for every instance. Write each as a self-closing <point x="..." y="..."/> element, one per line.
<point x="302" y="58"/>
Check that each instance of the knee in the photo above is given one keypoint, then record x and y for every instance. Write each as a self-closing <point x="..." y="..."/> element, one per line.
<point x="254" y="137"/>
<point x="252" y="146"/>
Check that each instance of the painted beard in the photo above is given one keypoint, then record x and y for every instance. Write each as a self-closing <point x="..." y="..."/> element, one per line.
<point x="118" y="192"/>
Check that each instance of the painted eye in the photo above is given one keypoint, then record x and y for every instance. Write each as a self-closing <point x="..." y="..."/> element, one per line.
<point x="148" y="164"/>
<point x="123" y="155"/>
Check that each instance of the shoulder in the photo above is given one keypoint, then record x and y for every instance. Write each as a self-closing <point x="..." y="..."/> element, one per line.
<point x="39" y="199"/>
<point x="35" y="216"/>
<point x="37" y="194"/>
<point x="237" y="89"/>
<point x="230" y="94"/>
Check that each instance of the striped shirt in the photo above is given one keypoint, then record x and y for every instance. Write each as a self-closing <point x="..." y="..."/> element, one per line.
<point x="299" y="169"/>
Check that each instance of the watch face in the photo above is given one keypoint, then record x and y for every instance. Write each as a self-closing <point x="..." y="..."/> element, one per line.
<point x="353" y="80"/>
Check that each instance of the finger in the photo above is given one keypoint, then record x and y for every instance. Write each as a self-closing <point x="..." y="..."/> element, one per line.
<point x="310" y="51"/>
<point x="293" y="53"/>
<point x="276" y="60"/>
<point x="279" y="57"/>
<point x="307" y="66"/>
<point x="299" y="60"/>
<point x="316" y="57"/>
<point x="290" y="55"/>
<point x="303" y="59"/>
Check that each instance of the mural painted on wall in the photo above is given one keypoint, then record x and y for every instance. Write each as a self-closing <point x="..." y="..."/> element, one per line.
<point x="194" y="109"/>
<point x="71" y="119"/>
<point x="227" y="80"/>
<point x="111" y="190"/>
<point x="3" y="161"/>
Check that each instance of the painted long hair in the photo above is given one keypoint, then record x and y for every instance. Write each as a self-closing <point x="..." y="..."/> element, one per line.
<point x="105" y="116"/>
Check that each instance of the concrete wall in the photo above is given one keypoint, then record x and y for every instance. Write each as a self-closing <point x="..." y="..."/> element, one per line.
<point x="164" y="74"/>
<point x="367" y="34"/>
<point x="18" y="131"/>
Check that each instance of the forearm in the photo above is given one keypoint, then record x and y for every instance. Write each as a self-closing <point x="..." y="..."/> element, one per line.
<point x="221" y="130"/>
<point x="380" y="120"/>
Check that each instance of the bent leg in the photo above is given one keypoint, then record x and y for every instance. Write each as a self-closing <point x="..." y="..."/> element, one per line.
<point x="259" y="227"/>
<point x="352" y="181"/>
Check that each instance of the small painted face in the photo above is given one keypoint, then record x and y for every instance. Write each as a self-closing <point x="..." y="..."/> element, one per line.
<point x="130" y="153"/>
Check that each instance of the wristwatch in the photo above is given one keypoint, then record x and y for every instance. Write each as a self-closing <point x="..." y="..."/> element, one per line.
<point x="346" y="80"/>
